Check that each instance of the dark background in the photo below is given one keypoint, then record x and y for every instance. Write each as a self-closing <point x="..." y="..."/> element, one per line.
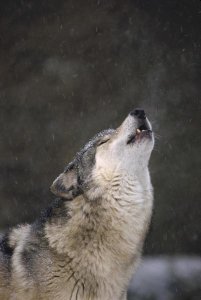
<point x="71" y="68"/>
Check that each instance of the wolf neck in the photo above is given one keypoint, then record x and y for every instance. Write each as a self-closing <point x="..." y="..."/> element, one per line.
<point x="121" y="184"/>
<point x="102" y="239"/>
<point x="106" y="233"/>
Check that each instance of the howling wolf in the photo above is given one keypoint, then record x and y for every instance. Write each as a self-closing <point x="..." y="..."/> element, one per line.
<point x="88" y="243"/>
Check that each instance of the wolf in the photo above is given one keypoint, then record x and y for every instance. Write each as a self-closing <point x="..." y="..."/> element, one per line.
<point x="88" y="243"/>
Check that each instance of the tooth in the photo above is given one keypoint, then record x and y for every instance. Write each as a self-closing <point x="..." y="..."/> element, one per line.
<point x="138" y="131"/>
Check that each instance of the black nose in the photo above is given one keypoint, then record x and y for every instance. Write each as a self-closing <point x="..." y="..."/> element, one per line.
<point x="139" y="113"/>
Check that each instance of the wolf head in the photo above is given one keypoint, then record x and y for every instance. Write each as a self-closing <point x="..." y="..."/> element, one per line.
<point x="111" y="154"/>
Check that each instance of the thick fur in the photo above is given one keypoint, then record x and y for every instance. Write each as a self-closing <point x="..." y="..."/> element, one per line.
<point x="88" y="243"/>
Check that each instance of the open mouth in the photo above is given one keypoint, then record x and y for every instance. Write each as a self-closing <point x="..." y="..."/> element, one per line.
<point x="143" y="130"/>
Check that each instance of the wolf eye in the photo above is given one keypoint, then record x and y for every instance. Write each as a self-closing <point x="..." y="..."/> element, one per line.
<point x="102" y="142"/>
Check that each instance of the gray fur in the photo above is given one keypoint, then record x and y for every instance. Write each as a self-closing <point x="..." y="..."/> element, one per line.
<point x="88" y="243"/>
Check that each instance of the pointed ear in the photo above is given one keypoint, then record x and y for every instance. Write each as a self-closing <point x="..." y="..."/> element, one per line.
<point x="65" y="185"/>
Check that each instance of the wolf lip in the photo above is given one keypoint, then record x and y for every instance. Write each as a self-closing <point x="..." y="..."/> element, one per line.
<point x="142" y="127"/>
<point x="143" y="130"/>
<point x="139" y="132"/>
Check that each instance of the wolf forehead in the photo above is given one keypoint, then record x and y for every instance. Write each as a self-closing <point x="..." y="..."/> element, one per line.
<point x="88" y="151"/>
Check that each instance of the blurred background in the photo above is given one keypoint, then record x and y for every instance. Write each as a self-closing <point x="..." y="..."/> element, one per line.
<point x="71" y="68"/>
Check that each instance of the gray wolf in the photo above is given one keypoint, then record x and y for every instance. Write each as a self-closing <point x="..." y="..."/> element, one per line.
<point x="88" y="243"/>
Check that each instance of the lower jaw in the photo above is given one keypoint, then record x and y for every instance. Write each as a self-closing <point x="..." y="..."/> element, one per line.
<point x="144" y="134"/>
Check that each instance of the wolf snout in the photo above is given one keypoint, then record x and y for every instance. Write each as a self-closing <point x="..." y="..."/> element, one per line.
<point x="141" y="121"/>
<point x="139" y="113"/>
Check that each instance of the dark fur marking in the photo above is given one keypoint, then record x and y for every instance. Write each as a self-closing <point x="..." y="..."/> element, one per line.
<point x="4" y="245"/>
<point x="27" y="259"/>
<point x="59" y="186"/>
<point x="77" y="292"/>
<point x="76" y="192"/>
<point x="6" y="251"/>
<point x="72" y="275"/>
<point x="77" y="281"/>
<point x="26" y="256"/>
<point x="50" y="211"/>
<point x="55" y="210"/>
<point x="70" y="166"/>
<point x="79" y="180"/>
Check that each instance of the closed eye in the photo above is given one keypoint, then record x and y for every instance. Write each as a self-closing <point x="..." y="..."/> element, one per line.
<point x="102" y="142"/>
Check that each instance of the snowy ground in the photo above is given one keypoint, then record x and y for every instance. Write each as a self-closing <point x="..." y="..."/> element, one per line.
<point x="167" y="278"/>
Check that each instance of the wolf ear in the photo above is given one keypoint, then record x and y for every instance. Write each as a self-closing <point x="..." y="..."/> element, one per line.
<point x="66" y="185"/>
